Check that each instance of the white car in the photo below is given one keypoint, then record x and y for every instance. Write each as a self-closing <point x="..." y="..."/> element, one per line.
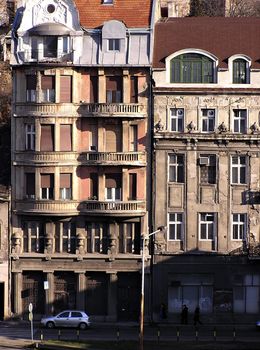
<point x="67" y="318"/>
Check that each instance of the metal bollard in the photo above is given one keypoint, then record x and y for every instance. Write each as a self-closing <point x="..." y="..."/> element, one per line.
<point x="59" y="334"/>
<point x="158" y="335"/>
<point x="117" y="335"/>
<point x="197" y="334"/>
<point x="234" y="334"/>
<point x="41" y="337"/>
<point x="78" y="335"/>
<point x="178" y="334"/>
<point x="215" y="334"/>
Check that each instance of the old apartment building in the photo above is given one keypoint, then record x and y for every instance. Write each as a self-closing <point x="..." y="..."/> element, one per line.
<point x="206" y="76"/>
<point x="80" y="155"/>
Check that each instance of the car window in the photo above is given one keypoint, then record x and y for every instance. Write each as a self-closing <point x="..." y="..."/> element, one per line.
<point x="76" y="314"/>
<point x="64" y="314"/>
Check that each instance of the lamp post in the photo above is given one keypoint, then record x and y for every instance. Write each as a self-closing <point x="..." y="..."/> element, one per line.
<point x="145" y="236"/>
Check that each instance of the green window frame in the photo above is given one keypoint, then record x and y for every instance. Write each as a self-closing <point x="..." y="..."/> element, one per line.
<point x="240" y="71"/>
<point x="192" y="68"/>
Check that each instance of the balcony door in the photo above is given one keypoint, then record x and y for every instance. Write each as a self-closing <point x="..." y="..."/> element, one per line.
<point x="114" y="89"/>
<point x="113" y="138"/>
<point x="113" y="187"/>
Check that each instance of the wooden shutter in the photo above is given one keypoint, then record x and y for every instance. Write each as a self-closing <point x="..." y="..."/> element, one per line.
<point x="48" y="82"/>
<point x="134" y="89"/>
<point x="30" y="184"/>
<point x="47" y="181"/>
<point x="94" y="185"/>
<point x="132" y="186"/>
<point x="93" y="89"/>
<point x="65" y="89"/>
<point x="113" y="181"/>
<point x="31" y="82"/>
<point x="113" y="138"/>
<point x="47" y="137"/>
<point x="65" y="137"/>
<point x="65" y="180"/>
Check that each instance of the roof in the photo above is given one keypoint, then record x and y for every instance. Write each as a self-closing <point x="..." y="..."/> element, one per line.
<point x="221" y="36"/>
<point x="134" y="13"/>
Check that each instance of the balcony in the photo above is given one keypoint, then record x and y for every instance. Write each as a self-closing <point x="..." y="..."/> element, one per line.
<point x="91" y="207"/>
<point x="130" y="110"/>
<point x="74" y="158"/>
<point x="46" y="56"/>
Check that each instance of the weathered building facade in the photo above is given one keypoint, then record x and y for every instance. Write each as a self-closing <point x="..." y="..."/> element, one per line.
<point x="79" y="155"/>
<point x="207" y="167"/>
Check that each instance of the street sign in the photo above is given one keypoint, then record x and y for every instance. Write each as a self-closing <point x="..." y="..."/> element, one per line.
<point x="30" y="307"/>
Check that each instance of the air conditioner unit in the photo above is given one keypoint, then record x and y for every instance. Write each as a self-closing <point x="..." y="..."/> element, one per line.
<point x="204" y="161"/>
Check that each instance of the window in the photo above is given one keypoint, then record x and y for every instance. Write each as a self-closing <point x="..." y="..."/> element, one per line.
<point x="132" y="186"/>
<point x="50" y="45"/>
<point x="176" y="226"/>
<point x="207" y="169"/>
<point x="48" y="88"/>
<point x="246" y="294"/>
<point x="129" y="238"/>
<point x="114" y="90"/>
<point x="113" y="187"/>
<point x="68" y="237"/>
<point x="113" y="44"/>
<point x="238" y="169"/>
<point x="47" y="186"/>
<point x="192" y="68"/>
<point x="47" y="137"/>
<point x="134" y="89"/>
<point x="208" y="120"/>
<point x="31" y="82"/>
<point x="65" y="137"/>
<point x="240" y="71"/>
<point x="93" y="186"/>
<point x="177" y="119"/>
<point x="33" y="237"/>
<point x="30" y="185"/>
<point x="97" y="237"/>
<point x="30" y="137"/>
<point x="65" y="44"/>
<point x="65" y="186"/>
<point x="207" y="226"/>
<point x="240" y="120"/>
<point x="239" y="226"/>
<point x="93" y="89"/>
<point x="107" y="1"/>
<point x="176" y="168"/>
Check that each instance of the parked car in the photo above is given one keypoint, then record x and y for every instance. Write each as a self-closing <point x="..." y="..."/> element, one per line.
<point x="67" y="318"/>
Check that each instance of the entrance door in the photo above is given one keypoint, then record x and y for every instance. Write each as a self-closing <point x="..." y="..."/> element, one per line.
<point x="128" y="296"/>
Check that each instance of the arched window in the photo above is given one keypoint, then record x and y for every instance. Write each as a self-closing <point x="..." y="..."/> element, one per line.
<point x="240" y="71"/>
<point x="192" y="68"/>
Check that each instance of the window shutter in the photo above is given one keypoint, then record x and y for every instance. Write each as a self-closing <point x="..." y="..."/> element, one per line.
<point x="113" y="181"/>
<point x="65" y="180"/>
<point x="48" y="82"/>
<point x="65" y="89"/>
<point x="30" y="184"/>
<point x="47" y="181"/>
<point x="93" y="89"/>
<point x="65" y="137"/>
<point x="113" y="138"/>
<point x="31" y="82"/>
<point x="47" y="137"/>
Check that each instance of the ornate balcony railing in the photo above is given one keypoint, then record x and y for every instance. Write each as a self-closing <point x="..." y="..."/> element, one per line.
<point x="74" y="158"/>
<point x="134" y="110"/>
<point x="93" y="207"/>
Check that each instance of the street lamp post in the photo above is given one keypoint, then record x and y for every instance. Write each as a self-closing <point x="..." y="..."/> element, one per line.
<point x="145" y="236"/>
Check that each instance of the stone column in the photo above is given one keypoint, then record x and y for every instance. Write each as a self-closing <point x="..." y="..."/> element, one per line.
<point x="18" y="294"/>
<point x="101" y="86"/>
<point x="125" y="184"/>
<point x="125" y="138"/>
<point x="126" y="86"/>
<point x="112" y="297"/>
<point x="81" y="288"/>
<point x="49" y="294"/>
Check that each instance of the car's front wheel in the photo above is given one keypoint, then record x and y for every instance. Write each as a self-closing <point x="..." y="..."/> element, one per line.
<point x="83" y="326"/>
<point x="50" y="325"/>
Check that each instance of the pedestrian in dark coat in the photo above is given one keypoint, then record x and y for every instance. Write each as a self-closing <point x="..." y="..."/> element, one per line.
<point x="197" y="316"/>
<point x="184" y="314"/>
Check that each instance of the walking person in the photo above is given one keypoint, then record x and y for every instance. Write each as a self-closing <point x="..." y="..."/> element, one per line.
<point x="184" y="314"/>
<point x="197" y="316"/>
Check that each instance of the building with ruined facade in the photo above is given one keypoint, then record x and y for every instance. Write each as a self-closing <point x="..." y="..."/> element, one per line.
<point x="80" y="160"/>
<point x="207" y="167"/>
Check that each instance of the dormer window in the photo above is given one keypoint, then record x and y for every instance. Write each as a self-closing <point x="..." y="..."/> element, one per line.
<point x="240" y="71"/>
<point x="113" y="45"/>
<point x="192" y="68"/>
